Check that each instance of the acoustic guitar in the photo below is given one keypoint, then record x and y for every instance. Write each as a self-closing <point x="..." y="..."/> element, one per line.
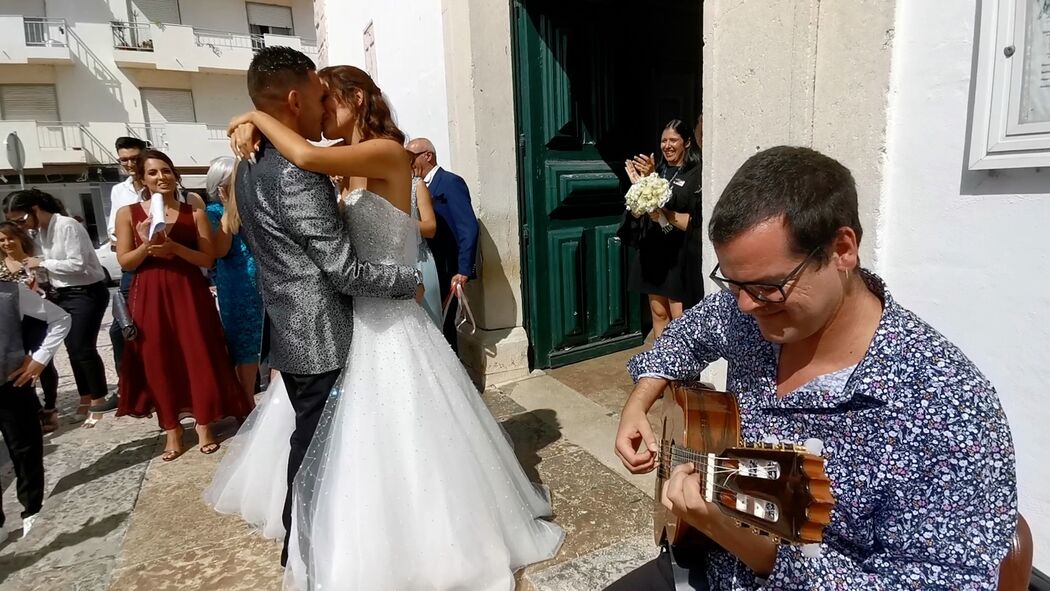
<point x="779" y="490"/>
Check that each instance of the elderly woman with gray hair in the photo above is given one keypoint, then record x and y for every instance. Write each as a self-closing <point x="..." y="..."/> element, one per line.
<point x="240" y="304"/>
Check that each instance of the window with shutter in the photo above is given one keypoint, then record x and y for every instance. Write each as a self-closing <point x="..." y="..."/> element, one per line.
<point x="28" y="102"/>
<point x="267" y="18"/>
<point x="161" y="106"/>
<point x="154" y="11"/>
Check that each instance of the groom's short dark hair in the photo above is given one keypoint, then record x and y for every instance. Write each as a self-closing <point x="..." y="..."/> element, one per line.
<point x="274" y="72"/>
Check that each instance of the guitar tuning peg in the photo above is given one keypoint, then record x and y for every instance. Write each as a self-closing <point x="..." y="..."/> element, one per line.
<point x="740" y="524"/>
<point x="775" y="539"/>
<point x="814" y="446"/>
<point x="757" y="531"/>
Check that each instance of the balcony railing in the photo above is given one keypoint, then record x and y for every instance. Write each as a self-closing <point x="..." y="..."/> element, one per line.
<point x="59" y="135"/>
<point x="211" y="38"/>
<point x="132" y="36"/>
<point x="45" y="32"/>
<point x="153" y="133"/>
<point x="217" y="133"/>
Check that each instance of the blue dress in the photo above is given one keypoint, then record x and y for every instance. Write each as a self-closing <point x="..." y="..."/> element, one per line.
<point x="240" y="304"/>
<point x="432" y="296"/>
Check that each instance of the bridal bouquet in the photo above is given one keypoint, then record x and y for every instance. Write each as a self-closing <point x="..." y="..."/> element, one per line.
<point x="649" y="194"/>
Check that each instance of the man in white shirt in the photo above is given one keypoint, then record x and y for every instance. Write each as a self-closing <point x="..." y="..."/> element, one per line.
<point x="129" y="191"/>
<point x="23" y="355"/>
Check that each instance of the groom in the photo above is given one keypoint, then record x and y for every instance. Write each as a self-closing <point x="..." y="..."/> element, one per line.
<point x="307" y="266"/>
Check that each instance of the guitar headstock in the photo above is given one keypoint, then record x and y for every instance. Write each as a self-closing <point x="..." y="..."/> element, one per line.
<point x="777" y="489"/>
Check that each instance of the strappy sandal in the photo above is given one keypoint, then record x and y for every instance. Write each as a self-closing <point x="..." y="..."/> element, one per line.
<point x="109" y="404"/>
<point x="171" y="454"/>
<point x="209" y="448"/>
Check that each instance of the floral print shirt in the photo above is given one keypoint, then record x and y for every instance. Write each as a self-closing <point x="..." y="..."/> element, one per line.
<point x="917" y="446"/>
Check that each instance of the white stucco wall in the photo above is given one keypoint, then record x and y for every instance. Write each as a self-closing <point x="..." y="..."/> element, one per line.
<point x="409" y="57"/>
<point x="966" y="251"/>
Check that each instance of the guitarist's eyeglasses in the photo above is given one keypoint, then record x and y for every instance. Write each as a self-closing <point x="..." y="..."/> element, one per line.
<point x="772" y="293"/>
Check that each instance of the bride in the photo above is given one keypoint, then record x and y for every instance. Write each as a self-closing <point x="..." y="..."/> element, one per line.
<point x="409" y="482"/>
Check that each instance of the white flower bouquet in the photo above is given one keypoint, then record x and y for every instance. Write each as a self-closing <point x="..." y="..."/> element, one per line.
<point x="647" y="195"/>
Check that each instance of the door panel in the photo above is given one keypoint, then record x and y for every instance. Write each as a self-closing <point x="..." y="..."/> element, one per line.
<point x="586" y="101"/>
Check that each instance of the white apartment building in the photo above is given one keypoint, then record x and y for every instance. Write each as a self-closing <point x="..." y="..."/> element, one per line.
<point x="76" y="75"/>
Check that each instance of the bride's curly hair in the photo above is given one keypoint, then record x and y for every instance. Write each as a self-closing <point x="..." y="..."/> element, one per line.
<point x="374" y="116"/>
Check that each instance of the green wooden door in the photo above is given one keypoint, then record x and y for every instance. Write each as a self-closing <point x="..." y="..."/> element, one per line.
<point x="586" y="100"/>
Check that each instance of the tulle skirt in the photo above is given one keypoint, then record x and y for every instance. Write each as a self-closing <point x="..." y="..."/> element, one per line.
<point x="410" y="483"/>
<point x="252" y="479"/>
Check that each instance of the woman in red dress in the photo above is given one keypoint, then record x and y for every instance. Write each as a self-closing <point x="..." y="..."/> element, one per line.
<point x="178" y="365"/>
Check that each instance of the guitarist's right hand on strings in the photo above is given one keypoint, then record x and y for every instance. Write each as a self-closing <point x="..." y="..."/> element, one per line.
<point x="635" y="443"/>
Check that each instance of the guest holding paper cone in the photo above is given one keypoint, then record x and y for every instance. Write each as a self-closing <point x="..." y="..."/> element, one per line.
<point x="178" y="365"/>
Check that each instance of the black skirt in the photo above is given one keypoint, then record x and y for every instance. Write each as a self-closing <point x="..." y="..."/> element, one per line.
<point x="667" y="263"/>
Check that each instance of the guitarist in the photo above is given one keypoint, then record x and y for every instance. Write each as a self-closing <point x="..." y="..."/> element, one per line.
<point x="918" y="448"/>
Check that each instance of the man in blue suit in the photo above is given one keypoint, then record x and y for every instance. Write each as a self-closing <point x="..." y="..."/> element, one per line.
<point x="455" y="245"/>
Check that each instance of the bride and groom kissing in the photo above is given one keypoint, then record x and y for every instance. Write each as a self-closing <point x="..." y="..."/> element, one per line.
<point x="372" y="455"/>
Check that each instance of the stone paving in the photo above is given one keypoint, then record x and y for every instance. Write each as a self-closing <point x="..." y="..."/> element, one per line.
<point x="118" y="518"/>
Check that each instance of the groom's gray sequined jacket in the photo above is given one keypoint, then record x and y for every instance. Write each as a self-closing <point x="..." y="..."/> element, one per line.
<point x="307" y="266"/>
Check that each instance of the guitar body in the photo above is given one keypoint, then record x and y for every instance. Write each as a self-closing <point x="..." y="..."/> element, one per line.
<point x="705" y="421"/>
<point x="774" y="489"/>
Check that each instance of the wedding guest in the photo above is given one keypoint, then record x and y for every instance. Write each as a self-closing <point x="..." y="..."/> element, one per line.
<point x="125" y="193"/>
<point x="455" y="243"/>
<point x="16" y="247"/>
<point x="23" y="358"/>
<point x="424" y="206"/>
<point x="240" y="304"/>
<point x="658" y="267"/>
<point x="178" y="364"/>
<point x="72" y="267"/>
<point x="691" y="221"/>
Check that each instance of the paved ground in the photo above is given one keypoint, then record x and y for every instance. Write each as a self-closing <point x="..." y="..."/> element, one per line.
<point x="118" y="518"/>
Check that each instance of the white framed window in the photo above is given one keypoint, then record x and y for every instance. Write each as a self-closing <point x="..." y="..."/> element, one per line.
<point x="1011" y="115"/>
<point x="370" y="52"/>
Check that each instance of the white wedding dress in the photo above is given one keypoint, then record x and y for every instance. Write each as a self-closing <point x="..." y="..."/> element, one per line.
<point x="409" y="484"/>
<point x="251" y="480"/>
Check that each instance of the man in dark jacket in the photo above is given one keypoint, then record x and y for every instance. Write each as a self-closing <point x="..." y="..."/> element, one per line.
<point x="455" y="245"/>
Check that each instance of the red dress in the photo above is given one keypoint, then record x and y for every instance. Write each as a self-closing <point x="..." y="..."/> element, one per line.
<point x="178" y="365"/>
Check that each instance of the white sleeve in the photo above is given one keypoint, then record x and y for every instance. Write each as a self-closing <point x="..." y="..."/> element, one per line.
<point x="111" y="222"/>
<point x="74" y="247"/>
<point x="58" y="322"/>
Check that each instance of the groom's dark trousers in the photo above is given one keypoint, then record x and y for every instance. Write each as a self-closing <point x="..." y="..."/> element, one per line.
<point x="308" y="394"/>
